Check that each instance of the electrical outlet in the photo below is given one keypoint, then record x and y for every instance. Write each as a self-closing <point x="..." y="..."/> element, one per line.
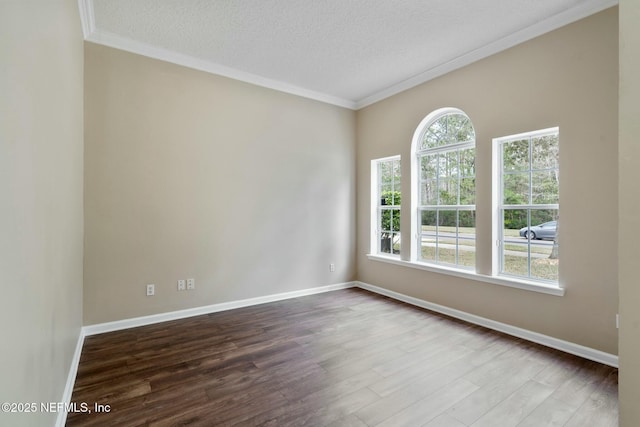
<point x="151" y="290"/>
<point x="182" y="285"/>
<point x="332" y="267"/>
<point x="617" y="321"/>
<point x="191" y="284"/>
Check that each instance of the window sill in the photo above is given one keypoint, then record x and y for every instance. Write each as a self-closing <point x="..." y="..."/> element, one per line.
<point x="502" y="281"/>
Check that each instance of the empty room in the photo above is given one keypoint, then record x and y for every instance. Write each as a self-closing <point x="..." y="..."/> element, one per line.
<point x="319" y="213"/>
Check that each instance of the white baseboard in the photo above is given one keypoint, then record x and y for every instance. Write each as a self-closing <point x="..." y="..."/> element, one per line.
<point x="71" y="379"/>
<point x="181" y="314"/>
<point x="558" y="344"/>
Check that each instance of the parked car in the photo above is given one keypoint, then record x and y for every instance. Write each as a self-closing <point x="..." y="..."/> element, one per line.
<point x="542" y="231"/>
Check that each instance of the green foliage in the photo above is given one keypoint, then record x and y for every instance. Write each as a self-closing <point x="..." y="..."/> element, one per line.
<point x="530" y="178"/>
<point x="390" y="218"/>
<point x="449" y="178"/>
<point x="449" y="218"/>
<point x="515" y="219"/>
<point x="448" y="129"/>
<point x="389" y="173"/>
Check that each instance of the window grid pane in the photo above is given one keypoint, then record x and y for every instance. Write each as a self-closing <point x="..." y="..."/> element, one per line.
<point x="447" y="236"/>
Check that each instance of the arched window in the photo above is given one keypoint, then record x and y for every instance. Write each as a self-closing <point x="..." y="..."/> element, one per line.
<point x="443" y="190"/>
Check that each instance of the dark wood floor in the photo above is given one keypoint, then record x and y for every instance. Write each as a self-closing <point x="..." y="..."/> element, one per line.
<point x="342" y="358"/>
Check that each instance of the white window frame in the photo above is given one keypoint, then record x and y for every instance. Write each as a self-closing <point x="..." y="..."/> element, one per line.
<point x="410" y="260"/>
<point x="416" y="154"/>
<point x="499" y="206"/>
<point x="376" y="216"/>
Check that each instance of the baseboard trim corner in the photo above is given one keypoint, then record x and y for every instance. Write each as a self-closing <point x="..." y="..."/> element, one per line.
<point x="71" y="379"/>
<point x="134" y="322"/>
<point x="558" y="344"/>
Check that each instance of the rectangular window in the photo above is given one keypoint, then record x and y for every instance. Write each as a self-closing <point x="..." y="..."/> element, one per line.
<point x="386" y="199"/>
<point x="528" y="208"/>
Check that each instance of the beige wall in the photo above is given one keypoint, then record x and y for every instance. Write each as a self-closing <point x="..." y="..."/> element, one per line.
<point x="628" y="247"/>
<point x="566" y="78"/>
<point x="190" y="175"/>
<point x="41" y="63"/>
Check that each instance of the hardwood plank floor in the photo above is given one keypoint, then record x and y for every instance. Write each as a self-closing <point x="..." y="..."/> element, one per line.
<point x="339" y="359"/>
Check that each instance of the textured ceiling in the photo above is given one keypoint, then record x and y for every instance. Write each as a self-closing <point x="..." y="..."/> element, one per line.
<point x="346" y="52"/>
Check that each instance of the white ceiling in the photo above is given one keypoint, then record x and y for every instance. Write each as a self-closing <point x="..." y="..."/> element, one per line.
<point x="345" y="52"/>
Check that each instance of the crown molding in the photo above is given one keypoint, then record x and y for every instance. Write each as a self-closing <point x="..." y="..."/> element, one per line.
<point x="95" y="35"/>
<point x="553" y="23"/>
<point x="144" y="49"/>
<point x="92" y="34"/>
<point x="85" y="7"/>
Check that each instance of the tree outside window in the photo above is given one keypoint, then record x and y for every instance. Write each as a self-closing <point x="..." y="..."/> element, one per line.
<point x="389" y="197"/>
<point x="444" y="146"/>
<point x="529" y="214"/>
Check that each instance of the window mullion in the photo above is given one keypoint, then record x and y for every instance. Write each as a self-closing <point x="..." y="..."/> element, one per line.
<point x="457" y="237"/>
